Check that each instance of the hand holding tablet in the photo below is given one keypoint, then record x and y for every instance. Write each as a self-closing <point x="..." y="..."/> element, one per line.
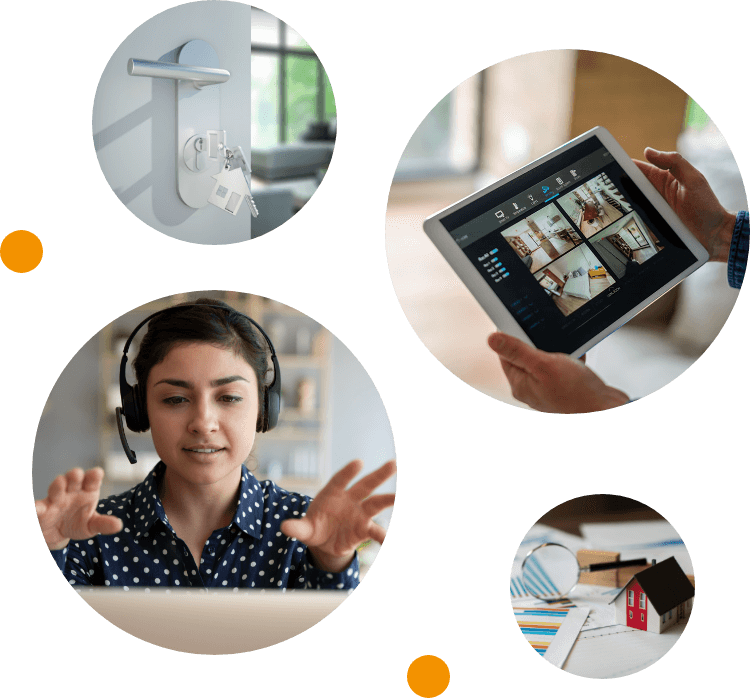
<point x="552" y="382"/>
<point x="689" y="195"/>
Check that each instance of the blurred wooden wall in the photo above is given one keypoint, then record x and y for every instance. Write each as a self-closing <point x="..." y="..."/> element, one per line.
<point x="609" y="89"/>
<point x="640" y="108"/>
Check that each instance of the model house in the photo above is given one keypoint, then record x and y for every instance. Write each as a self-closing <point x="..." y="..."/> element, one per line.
<point x="655" y="598"/>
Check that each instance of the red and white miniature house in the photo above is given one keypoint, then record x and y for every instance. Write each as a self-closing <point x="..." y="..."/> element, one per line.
<point x="655" y="598"/>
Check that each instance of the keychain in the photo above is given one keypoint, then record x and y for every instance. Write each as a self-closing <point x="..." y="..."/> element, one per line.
<point x="233" y="184"/>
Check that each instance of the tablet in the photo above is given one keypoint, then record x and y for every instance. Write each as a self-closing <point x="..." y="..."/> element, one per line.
<point x="569" y="248"/>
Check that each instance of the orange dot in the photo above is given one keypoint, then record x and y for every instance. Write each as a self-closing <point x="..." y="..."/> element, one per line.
<point x="21" y="251"/>
<point x="428" y="676"/>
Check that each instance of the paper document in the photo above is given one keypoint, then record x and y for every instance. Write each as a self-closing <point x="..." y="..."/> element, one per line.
<point x="551" y="631"/>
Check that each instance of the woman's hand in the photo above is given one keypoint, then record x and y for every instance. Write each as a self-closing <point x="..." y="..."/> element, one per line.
<point x="338" y="520"/>
<point x="69" y="510"/>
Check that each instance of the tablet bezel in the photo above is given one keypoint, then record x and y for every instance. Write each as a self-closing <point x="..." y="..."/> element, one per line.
<point x="481" y="290"/>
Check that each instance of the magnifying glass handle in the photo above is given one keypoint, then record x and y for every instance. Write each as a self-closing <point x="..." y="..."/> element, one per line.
<point x="613" y="565"/>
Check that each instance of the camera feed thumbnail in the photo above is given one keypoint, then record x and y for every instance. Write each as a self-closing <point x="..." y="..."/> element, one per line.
<point x="574" y="279"/>
<point x="626" y="245"/>
<point x="542" y="237"/>
<point x="594" y="205"/>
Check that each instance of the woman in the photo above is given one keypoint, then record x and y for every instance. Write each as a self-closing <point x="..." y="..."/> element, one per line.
<point x="200" y="518"/>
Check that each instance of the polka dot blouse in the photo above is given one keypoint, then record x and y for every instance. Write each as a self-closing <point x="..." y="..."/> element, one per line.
<point x="250" y="552"/>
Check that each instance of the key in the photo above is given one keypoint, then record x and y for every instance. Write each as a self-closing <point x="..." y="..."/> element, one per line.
<point x="230" y="190"/>
<point x="232" y="184"/>
<point x="236" y="158"/>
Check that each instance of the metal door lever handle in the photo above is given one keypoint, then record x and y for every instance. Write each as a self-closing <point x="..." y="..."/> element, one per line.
<point x="200" y="142"/>
<point x="201" y="77"/>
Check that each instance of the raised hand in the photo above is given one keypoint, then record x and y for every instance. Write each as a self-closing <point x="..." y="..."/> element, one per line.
<point x="339" y="519"/>
<point x="69" y="510"/>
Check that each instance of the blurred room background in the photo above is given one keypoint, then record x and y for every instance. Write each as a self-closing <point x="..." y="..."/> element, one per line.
<point x="293" y="121"/>
<point x="503" y="118"/>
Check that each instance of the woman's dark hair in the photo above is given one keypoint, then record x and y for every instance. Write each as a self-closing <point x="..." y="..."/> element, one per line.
<point x="196" y="321"/>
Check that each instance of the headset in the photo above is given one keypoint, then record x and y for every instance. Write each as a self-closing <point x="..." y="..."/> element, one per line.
<point x="133" y="396"/>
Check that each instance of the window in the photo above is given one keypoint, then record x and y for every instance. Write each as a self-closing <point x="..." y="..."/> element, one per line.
<point x="447" y="142"/>
<point x="670" y="615"/>
<point x="664" y="618"/>
<point x="631" y="595"/>
<point x="290" y="88"/>
<point x="642" y="601"/>
<point x="642" y="619"/>
<point x="630" y="614"/>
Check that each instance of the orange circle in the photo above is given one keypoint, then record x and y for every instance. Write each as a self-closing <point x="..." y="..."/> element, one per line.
<point x="21" y="251"/>
<point x="428" y="676"/>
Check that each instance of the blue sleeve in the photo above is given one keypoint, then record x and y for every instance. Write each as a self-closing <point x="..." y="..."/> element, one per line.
<point x="738" y="250"/>
<point x="77" y="561"/>
<point x="320" y="579"/>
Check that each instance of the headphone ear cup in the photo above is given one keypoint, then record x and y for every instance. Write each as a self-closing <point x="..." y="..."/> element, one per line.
<point x="273" y="408"/>
<point x="261" y="425"/>
<point x="139" y="403"/>
<point x="128" y="408"/>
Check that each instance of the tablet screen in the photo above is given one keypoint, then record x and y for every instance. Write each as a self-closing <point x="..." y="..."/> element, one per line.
<point x="570" y="246"/>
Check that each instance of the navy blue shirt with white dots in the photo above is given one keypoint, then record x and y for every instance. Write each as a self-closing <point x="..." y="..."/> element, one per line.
<point x="250" y="552"/>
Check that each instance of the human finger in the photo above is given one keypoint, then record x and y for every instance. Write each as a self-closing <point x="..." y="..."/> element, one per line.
<point x="516" y="376"/>
<point x="375" y="504"/>
<point x="661" y="158"/>
<point x="677" y="165"/>
<point x="376" y="532"/>
<point x="73" y="480"/>
<point x="520" y="382"/>
<point x="370" y="482"/>
<point x="344" y="476"/>
<point x="92" y="480"/>
<point x="106" y="525"/>
<point x="301" y="529"/>
<point x="648" y="169"/>
<point x="57" y="489"/>
<point x="658" y="177"/>
<point x="515" y="351"/>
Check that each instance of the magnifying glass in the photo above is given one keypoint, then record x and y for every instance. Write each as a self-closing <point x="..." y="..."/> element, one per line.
<point x="550" y="571"/>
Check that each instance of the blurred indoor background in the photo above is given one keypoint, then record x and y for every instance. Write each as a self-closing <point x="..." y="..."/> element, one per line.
<point x="503" y="118"/>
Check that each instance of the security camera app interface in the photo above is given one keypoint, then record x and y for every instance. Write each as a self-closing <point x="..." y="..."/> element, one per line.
<point x="570" y="246"/>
